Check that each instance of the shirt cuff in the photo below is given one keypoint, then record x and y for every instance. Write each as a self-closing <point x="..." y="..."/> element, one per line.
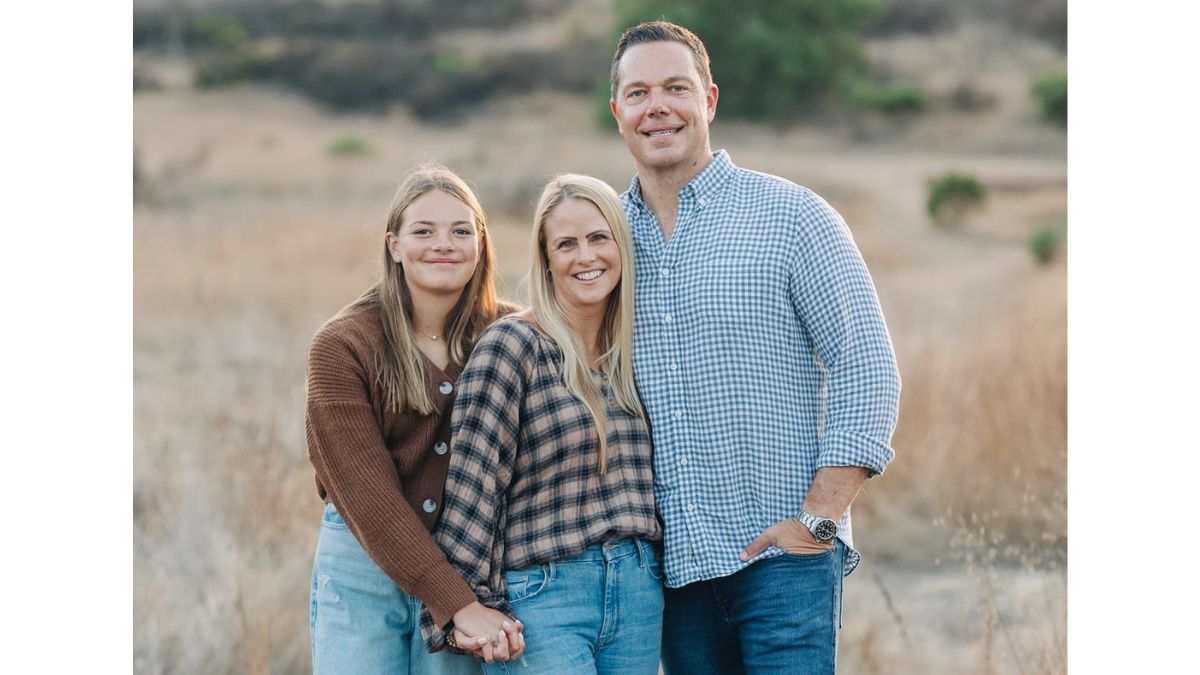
<point x="848" y="448"/>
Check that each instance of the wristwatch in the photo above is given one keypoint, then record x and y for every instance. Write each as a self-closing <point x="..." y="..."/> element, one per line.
<point x="823" y="529"/>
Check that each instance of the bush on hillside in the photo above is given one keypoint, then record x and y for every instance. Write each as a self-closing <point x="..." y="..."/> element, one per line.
<point x="1051" y="92"/>
<point x="348" y="145"/>
<point x="771" y="58"/>
<point x="952" y="195"/>
<point x="1045" y="244"/>
<point x="896" y="98"/>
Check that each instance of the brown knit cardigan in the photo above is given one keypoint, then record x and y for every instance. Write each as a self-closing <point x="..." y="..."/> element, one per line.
<point x="381" y="470"/>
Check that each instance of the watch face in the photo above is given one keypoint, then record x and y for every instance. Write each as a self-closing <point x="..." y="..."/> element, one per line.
<point x="825" y="530"/>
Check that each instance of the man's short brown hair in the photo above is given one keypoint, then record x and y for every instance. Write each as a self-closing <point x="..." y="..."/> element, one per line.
<point x="660" y="31"/>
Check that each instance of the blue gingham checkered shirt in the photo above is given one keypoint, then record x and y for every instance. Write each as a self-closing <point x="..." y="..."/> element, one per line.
<point x="761" y="355"/>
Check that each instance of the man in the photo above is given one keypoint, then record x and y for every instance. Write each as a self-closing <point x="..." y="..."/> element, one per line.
<point x="766" y="368"/>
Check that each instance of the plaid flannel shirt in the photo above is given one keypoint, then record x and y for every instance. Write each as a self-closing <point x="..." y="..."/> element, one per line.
<point x="523" y="487"/>
<point x="761" y="355"/>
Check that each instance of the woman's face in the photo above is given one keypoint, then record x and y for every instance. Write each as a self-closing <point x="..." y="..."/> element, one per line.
<point x="436" y="244"/>
<point x="584" y="261"/>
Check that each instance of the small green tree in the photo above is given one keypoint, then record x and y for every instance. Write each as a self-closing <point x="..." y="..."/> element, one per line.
<point x="1045" y="244"/>
<point x="952" y="195"/>
<point x="222" y="32"/>
<point x="1051" y="92"/>
<point x="770" y="57"/>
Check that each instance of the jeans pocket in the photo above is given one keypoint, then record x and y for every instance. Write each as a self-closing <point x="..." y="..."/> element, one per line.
<point x="809" y="557"/>
<point x="332" y="519"/>
<point x="526" y="584"/>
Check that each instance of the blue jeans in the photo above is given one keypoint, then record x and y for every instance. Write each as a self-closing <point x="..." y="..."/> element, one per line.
<point x="779" y="615"/>
<point x="360" y="620"/>
<point x="597" y="612"/>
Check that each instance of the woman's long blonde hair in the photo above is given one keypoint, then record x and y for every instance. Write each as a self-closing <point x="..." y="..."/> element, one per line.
<point x="403" y="376"/>
<point x="616" y="329"/>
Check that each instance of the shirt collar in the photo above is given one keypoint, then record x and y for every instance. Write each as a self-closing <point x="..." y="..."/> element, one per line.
<point x="705" y="186"/>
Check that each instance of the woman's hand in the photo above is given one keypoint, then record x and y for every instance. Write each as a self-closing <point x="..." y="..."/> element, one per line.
<point x="488" y="634"/>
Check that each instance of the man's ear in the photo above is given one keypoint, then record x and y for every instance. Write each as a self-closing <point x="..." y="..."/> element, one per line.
<point x="710" y="101"/>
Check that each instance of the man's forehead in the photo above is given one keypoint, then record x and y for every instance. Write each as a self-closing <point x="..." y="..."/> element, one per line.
<point x="656" y="62"/>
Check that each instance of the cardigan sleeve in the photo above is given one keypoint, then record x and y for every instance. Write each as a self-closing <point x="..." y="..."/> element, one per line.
<point x="485" y="426"/>
<point x="352" y="461"/>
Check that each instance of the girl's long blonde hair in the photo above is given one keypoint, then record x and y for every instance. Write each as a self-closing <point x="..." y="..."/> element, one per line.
<point x="403" y="376"/>
<point x="616" y="329"/>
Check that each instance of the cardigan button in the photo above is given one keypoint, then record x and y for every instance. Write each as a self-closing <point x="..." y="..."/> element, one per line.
<point x="429" y="506"/>
<point x="440" y="447"/>
<point x="445" y="387"/>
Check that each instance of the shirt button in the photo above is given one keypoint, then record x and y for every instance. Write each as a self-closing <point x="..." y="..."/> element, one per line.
<point x="666" y="318"/>
<point x="683" y="462"/>
<point x="678" y="414"/>
<point x="664" y="271"/>
<point x="674" y="366"/>
<point x="691" y="508"/>
<point x="703" y="201"/>
<point x="445" y="387"/>
<point x="429" y="506"/>
<point x="440" y="447"/>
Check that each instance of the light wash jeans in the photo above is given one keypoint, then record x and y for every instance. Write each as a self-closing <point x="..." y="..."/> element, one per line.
<point x="599" y="612"/>
<point x="780" y="615"/>
<point x="360" y="620"/>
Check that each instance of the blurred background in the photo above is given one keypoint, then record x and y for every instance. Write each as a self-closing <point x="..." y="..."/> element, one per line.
<point x="269" y="136"/>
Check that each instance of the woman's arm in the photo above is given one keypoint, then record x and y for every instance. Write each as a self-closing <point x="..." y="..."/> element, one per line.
<point x="485" y="429"/>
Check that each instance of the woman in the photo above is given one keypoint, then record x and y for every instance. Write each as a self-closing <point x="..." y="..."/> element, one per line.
<point x="381" y="384"/>
<point x="549" y="497"/>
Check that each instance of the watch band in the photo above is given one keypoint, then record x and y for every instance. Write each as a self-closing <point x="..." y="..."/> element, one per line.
<point x="823" y="529"/>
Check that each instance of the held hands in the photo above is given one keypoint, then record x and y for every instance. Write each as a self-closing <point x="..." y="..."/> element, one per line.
<point x="788" y="534"/>
<point x="488" y="634"/>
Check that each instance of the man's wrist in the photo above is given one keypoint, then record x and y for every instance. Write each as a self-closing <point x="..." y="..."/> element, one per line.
<point x="823" y="529"/>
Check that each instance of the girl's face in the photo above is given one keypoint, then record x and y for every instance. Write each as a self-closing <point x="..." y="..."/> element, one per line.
<point x="437" y="244"/>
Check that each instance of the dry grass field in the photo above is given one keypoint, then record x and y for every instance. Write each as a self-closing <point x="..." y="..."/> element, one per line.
<point x="248" y="233"/>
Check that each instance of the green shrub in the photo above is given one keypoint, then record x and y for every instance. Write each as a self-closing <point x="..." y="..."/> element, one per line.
<point x="218" y="70"/>
<point x="348" y="145"/>
<point x="770" y="57"/>
<point x="1051" y="92"/>
<point x="1045" y="244"/>
<point x="886" y="98"/>
<point x="222" y="32"/>
<point x="952" y="195"/>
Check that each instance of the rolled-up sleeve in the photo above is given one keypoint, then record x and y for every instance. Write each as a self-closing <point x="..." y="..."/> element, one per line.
<point x="835" y="298"/>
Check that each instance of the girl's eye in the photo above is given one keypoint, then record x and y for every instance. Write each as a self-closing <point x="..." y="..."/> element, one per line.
<point x="463" y="232"/>
<point x="566" y="244"/>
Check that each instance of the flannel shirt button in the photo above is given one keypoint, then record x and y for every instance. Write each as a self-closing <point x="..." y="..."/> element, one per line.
<point x="683" y="462"/>
<point x="664" y="271"/>
<point x="678" y="414"/>
<point x="440" y="447"/>
<point x="666" y="318"/>
<point x="674" y="366"/>
<point x="445" y="387"/>
<point x="429" y="506"/>
<point x="691" y="508"/>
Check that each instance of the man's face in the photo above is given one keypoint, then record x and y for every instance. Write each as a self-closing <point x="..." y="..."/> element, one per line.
<point x="663" y="109"/>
